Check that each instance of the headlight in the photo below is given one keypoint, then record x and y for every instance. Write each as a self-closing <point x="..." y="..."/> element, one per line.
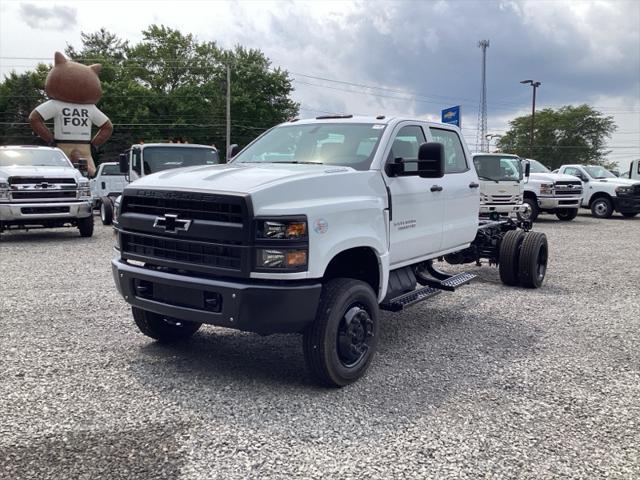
<point x="4" y="191"/>
<point x="624" y="190"/>
<point x="546" y="188"/>
<point x="294" y="229"/>
<point x="84" y="189"/>
<point x="116" y="208"/>
<point x="281" y="259"/>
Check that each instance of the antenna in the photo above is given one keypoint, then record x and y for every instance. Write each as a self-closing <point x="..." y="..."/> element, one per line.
<point x="482" y="144"/>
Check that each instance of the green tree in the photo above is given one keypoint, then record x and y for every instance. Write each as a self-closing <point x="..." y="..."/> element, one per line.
<point x="566" y="135"/>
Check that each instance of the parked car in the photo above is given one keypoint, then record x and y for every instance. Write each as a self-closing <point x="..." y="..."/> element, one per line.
<point x="40" y="188"/>
<point x="605" y="193"/>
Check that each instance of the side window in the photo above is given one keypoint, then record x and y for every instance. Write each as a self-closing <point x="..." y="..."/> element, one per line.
<point x="135" y="162"/>
<point x="406" y="145"/>
<point x="572" y="171"/>
<point x="454" y="159"/>
<point x="111" y="170"/>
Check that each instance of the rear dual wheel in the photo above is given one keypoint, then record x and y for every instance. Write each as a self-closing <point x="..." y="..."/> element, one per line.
<point x="523" y="258"/>
<point x="106" y="211"/>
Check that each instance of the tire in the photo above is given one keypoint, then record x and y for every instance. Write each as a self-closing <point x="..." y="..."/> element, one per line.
<point x="602" y="207"/>
<point x="629" y="214"/>
<point x="567" y="214"/>
<point x="106" y="211"/>
<point x="85" y="225"/>
<point x="534" y="255"/>
<point x="534" y="210"/>
<point x="509" y="257"/>
<point x="341" y="342"/>
<point x="161" y="328"/>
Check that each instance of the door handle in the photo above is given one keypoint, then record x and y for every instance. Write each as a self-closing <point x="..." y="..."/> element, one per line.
<point x="474" y="185"/>
<point x="103" y="186"/>
<point x="436" y="188"/>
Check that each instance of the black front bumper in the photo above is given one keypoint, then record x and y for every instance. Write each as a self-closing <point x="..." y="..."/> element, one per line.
<point x="624" y="204"/>
<point x="285" y="307"/>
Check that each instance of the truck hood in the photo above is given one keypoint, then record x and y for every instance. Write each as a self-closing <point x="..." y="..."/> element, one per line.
<point x="615" y="181"/>
<point x="20" y="171"/>
<point x="553" y="177"/>
<point x="235" y="178"/>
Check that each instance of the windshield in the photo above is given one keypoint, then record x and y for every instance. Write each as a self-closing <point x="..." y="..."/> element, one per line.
<point x="345" y="144"/>
<point x="598" y="172"/>
<point x="26" y="157"/>
<point x="497" y="168"/>
<point x="537" y="167"/>
<point x="156" y="159"/>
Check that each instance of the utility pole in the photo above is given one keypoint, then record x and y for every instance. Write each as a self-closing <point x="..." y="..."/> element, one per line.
<point x="228" y="112"/>
<point x="535" y="85"/>
<point x="482" y="144"/>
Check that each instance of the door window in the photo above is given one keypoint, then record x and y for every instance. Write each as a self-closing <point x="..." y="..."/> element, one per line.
<point x="454" y="159"/>
<point x="111" y="170"/>
<point x="406" y="146"/>
<point x="574" y="171"/>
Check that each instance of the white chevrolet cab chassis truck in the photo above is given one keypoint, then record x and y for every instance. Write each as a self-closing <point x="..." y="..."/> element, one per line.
<point x="144" y="159"/>
<point x="501" y="178"/>
<point x="40" y="188"/>
<point x="313" y="228"/>
<point x="551" y="193"/>
<point x="605" y="193"/>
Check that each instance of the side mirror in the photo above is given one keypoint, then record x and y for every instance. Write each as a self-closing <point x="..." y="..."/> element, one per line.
<point x="527" y="169"/>
<point x="431" y="160"/>
<point x="232" y="151"/>
<point x="123" y="163"/>
<point x="583" y="178"/>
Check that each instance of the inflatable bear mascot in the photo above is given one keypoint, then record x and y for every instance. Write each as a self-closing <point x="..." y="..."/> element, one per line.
<point x="73" y="90"/>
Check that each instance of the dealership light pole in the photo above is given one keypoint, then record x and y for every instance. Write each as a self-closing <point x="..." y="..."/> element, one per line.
<point x="535" y="85"/>
<point x="228" y="112"/>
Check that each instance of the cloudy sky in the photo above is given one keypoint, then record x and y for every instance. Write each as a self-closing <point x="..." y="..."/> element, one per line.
<point x="419" y="56"/>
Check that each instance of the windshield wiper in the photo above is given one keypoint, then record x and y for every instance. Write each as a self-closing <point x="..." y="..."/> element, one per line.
<point x="488" y="178"/>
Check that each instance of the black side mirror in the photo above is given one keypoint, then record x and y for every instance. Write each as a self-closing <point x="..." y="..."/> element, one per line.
<point x="431" y="160"/>
<point x="123" y="163"/>
<point x="583" y="178"/>
<point x="527" y="169"/>
<point x="232" y="151"/>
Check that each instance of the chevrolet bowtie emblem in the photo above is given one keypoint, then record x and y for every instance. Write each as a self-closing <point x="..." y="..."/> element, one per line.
<point x="171" y="223"/>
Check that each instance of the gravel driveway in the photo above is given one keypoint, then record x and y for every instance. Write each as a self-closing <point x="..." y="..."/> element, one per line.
<point x="490" y="382"/>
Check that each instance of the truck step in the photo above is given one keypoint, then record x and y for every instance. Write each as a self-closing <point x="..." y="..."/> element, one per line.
<point x="451" y="283"/>
<point x="408" y="299"/>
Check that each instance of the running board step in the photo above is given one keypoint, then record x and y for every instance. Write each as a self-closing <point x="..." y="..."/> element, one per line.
<point x="408" y="299"/>
<point x="450" y="284"/>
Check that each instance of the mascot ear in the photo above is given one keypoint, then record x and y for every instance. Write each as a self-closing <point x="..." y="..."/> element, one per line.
<point x="96" y="67"/>
<point x="59" y="58"/>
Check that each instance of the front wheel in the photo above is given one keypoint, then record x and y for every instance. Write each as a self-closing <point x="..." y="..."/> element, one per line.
<point x="85" y="225"/>
<point x="602" y="207"/>
<point x="567" y="214"/>
<point x="533" y="212"/>
<point x="106" y="211"/>
<point x="162" y="328"/>
<point x="629" y="214"/>
<point x="534" y="255"/>
<point x="340" y="344"/>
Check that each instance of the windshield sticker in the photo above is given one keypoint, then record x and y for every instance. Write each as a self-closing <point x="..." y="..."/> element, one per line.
<point x="377" y="126"/>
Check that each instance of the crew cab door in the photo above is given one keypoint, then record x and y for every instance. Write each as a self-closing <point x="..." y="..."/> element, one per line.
<point x="416" y="211"/>
<point x="460" y="190"/>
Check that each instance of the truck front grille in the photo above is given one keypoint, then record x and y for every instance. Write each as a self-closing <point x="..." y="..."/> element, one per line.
<point x="568" y="188"/>
<point x="44" y="195"/>
<point x="500" y="199"/>
<point x="189" y="231"/>
<point x="42" y="188"/>
<point x="38" y="180"/>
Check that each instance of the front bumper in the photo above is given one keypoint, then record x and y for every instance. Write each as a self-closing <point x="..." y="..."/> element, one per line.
<point x="627" y="204"/>
<point x="265" y="308"/>
<point x="33" y="212"/>
<point x="553" y="203"/>
<point x="503" y="209"/>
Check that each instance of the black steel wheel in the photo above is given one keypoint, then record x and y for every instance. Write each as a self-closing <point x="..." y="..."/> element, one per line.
<point x="602" y="207"/>
<point x="534" y="255"/>
<point x="509" y="257"/>
<point x="85" y="225"/>
<point x="106" y="211"/>
<point x="341" y="342"/>
<point x="162" y="328"/>
<point x="566" y="214"/>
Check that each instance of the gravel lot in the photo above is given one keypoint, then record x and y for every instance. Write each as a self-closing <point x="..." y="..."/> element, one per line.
<point x="489" y="382"/>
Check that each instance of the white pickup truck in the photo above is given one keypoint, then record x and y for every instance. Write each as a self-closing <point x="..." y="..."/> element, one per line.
<point x="552" y="193"/>
<point x="605" y="193"/>
<point x="144" y="159"/>
<point x="40" y="188"/>
<point x="313" y="228"/>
